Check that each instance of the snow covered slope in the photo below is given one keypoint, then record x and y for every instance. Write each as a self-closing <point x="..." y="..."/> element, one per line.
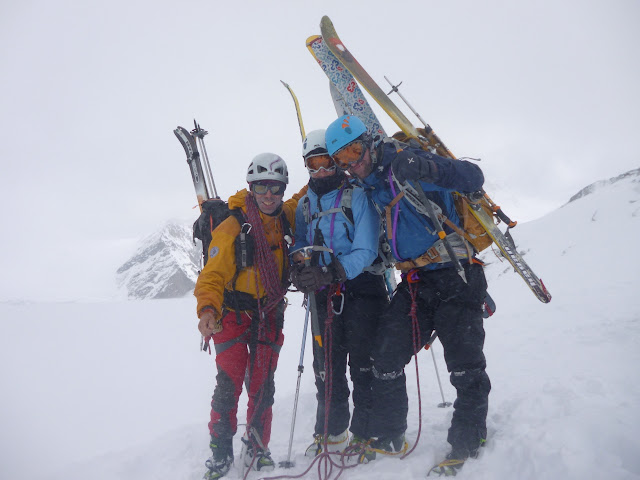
<point x="165" y="265"/>
<point x="120" y="390"/>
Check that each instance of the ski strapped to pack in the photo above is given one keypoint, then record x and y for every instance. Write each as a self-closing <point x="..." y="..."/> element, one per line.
<point x="198" y="163"/>
<point x="484" y="211"/>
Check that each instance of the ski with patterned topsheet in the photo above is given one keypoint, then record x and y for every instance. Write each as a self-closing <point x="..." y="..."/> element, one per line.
<point x="503" y="241"/>
<point x="345" y="92"/>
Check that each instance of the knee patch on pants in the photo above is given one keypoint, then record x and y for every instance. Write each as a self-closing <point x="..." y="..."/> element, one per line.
<point x="386" y="375"/>
<point x="474" y="377"/>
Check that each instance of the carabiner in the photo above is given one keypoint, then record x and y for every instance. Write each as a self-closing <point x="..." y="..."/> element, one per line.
<point x="248" y="229"/>
<point x="341" y="303"/>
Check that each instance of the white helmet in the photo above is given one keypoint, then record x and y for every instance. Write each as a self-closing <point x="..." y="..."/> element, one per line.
<point x="314" y="144"/>
<point x="267" y="166"/>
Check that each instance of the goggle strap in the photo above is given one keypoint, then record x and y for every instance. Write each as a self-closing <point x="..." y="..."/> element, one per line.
<point x="332" y="168"/>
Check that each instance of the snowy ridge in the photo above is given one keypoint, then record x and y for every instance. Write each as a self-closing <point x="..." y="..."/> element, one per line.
<point x="603" y="183"/>
<point x="164" y="266"/>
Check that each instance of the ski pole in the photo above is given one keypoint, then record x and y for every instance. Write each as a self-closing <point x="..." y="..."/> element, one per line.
<point x="394" y="88"/>
<point x="288" y="463"/>
<point x="435" y="365"/>
<point x="429" y="346"/>
<point x="495" y="208"/>
<point x="430" y="132"/>
<point x="310" y="314"/>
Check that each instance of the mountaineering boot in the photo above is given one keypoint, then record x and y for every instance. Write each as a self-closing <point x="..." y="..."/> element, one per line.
<point x="454" y="461"/>
<point x="475" y="453"/>
<point x="385" y="446"/>
<point x="357" y="440"/>
<point x="256" y="457"/>
<point x="357" y="447"/>
<point x="449" y="467"/>
<point x="220" y="462"/>
<point x="315" y="448"/>
<point x="335" y="443"/>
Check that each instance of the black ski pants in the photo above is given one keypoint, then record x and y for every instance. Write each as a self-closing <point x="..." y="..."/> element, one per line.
<point x="454" y="310"/>
<point x="353" y="332"/>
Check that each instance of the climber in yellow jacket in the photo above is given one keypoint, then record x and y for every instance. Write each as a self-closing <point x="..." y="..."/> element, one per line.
<point x="240" y="294"/>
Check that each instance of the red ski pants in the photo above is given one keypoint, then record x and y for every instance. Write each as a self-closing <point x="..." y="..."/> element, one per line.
<point x="245" y="351"/>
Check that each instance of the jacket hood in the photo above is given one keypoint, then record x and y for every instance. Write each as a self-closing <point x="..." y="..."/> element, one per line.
<point x="237" y="200"/>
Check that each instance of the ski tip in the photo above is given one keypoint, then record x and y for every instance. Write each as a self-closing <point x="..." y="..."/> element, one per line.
<point x="312" y="39"/>
<point x="547" y="295"/>
<point x="327" y="29"/>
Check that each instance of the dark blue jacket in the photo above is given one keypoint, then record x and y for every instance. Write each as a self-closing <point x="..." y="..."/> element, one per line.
<point x="412" y="237"/>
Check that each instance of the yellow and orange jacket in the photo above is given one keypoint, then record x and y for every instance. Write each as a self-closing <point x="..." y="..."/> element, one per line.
<point x="220" y="270"/>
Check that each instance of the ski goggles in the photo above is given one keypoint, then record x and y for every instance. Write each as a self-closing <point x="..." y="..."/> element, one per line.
<point x="350" y="155"/>
<point x="261" y="188"/>
<point x="320" y="162"/>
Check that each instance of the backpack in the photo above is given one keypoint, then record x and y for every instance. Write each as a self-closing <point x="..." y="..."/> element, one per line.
<point x="385" y="259"/>
<point x="214" y="212"/>
<point x="471" y="229"/>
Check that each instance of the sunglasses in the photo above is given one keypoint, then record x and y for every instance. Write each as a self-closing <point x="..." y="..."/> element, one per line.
<point x="317" y="163"/>
<point x="262" y="188"/>
<point x="350" y="155"/>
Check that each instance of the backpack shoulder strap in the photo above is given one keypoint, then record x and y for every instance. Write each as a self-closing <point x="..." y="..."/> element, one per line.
<point x="238" y="215"/>
<point x="396" y="143"/>
<point x="242" y="253"/>
<point x="286" y="225"/>
<point x="345" y="203"/>
<point x="343" y="207"/>
<point x="306" y="209"/>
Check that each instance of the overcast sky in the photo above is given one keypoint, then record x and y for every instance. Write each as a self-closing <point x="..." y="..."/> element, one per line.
<point x="545" y="92"/>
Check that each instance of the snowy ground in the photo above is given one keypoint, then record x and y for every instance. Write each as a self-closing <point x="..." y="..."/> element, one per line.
<point x="110" y="390"/>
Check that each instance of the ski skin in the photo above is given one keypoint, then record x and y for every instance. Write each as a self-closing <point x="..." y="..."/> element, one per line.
<point x="506" y="247"/>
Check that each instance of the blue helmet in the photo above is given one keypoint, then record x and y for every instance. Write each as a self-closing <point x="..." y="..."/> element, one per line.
<point x="343" y="131"/>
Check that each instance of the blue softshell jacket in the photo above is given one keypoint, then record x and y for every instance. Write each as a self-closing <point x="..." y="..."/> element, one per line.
<point x="354" y="245"/>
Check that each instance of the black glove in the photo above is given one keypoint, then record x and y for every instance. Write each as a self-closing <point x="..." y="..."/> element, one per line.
<point x="294" y="272"/>
<point x="310" y="279"/>
<point x="411" y="166"/>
